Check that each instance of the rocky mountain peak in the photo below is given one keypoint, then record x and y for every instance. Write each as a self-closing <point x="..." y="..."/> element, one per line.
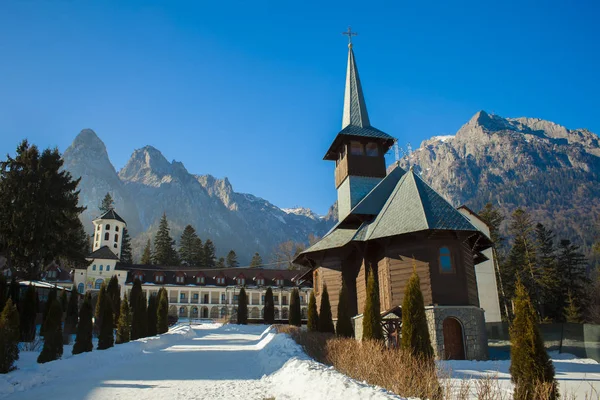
<point x="89" y="145"/>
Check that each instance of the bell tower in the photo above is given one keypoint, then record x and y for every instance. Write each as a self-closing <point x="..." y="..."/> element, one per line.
<point x="108" y="231"/>
<point x="359" y="148"/>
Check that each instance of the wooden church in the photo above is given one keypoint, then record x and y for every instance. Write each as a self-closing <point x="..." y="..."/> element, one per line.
<point x="391" y="223"/>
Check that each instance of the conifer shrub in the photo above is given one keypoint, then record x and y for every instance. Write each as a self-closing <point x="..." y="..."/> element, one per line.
<point x="114" y="294"/>
<point x="101" y="302"/>
<point x="372" y="316"/>
<point x="344" y="322"/>
<point x="9" y="337"/>
<point x="415" y="333"/>
<point x="72" y="311"/>
<point x="3" y="291"/>
<point x="53" y="337"/>
<point x="15" y="291"/>
<point x="28" y="314"/>
<point x="152" y="315"/>
<point x="295" y="315"/>
<point x="85" y="327"/>
<point x="325" y="317"/>
<point x="139" y="319"/>
<point x="242" y="313"/>
<point x="106" y="338"/>
<point x="63" y="300"/>
<point x="269" y="308"/>
<point x="572" y="312"/>
<point x="136" y="290"/>
<point x="162" y="324"/>
<point x="530" y="366"/>
<point x="123" y="325"/>
<point x="51" y="297"/>
<point x="313" y="316"/>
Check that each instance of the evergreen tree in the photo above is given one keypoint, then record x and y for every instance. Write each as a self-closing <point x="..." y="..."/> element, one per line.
<point x="72" y="310"/>
<point x="134" y="296"/>
<point x="164" y="245"/>
<point x="269" y="308"/>
<point x="139" y="321"/>
<point x="256" y="261"/>
<point x="147" y="254"/>
<point x="9" y="337"/>
<point x="313" y="316"/>
<point x="28" y="314"/>
<point x="530" y="364"/>
<point x="63" y="300"/>
<point x="242" y="312"/>
<point x="123" y="325"/>
<point x="344" y="322"/>
<point x="415" y="333"/>
<point x="295" y="314"/>
<point x="572" y="313"/>
<point x="162" y="324"/>
<point x="209" y="254"/>
<point x="101" y="302"/>
<point x="198" y="253"/>
<point x="114" y="295"/>
<point x="53" y="337"/>
<point x="550" y="277"/>
<point x="3" y="291"/>
<point x="51" y="298"/>
<point x="572" y="265"/>
<point x="187" y="251"/>
<point x="106" y="204"/>
<point x="220" y="263"/>
<point x="83" y="340"/>
<point x="152" y="315"/>
<point x="15" y="291"/>
<point x="126" y="252"/>
<point x="36" y="189"/>
<point x="325" y="318"/>
<point x="232" y="261"/>
<point x="106" y="337"/>
<point x="371" y="322"/>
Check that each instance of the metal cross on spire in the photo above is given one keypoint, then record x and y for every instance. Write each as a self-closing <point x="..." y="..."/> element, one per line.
<point x="349" y="33"/>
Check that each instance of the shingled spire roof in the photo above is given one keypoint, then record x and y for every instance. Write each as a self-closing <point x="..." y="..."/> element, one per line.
<point x="111" y="214"/>
<point x="355" y="119"/>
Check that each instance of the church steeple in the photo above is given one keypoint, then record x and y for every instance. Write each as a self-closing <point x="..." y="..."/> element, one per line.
<point x="355" y="108"/>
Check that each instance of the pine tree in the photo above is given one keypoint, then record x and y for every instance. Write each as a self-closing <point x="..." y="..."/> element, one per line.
<point x="313" y="316"/>
<point x="572" y="265"/>
<point x="220" y="263"/>
<point x="550" y="277"/>
<point x="572" y="313"/>
<point x="36" y="189"/>
<point x="15" y="291"/>
<point x="232" y="261"/>
<point x="198" y="253"/>
<point x="152" y="315"/>
<point x="269" y="307"/>
<point x="101" y="301"/>
<point x="134" y="296"/>
<point x="164" y="245"/>
<point x="325" y="317"/>
<point x="415" y="333"/>
<point x="126" y="252"/>
<point x="530" y="364"/>
<point x="3" y="291"/>
<point x="123" y="325"/>
<point x="106" y="337"/>
<point x="344" y="322"/>
<point x="9" y="337"/>
<point x="187" y="243"/>
<point x="209" y="254"/>
<point x="63" y="300"/>
<point x="114" y="295"/>
<point x="72" y="310"/>
<point x="371" y="322"/>
<point x="139" y="321"/>
<point x="295" y="315"/>
<point x="53" y="337"/>
<point x="28" y="314"/>
<point x="106" y="204"/>
<point x="51" y="298"/>
<point x="83" y="340"/>
<point x="162" y="324"/>
<point x="147" y="254"/>
<point x="256" y="261"/>
<point x="242" y="312"/>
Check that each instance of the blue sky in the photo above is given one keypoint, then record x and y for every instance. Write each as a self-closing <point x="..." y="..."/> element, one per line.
<point x="253" y="90"/>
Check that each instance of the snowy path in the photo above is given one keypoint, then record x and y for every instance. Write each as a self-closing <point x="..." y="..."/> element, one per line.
<point x="201" y="362"/>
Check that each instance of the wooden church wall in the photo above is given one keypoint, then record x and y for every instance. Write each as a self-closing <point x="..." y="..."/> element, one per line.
<point x="395" y="271"/>
<point x="361" y="287"/>
<point x="469" y="267"/>
<point x="330" y="274"/>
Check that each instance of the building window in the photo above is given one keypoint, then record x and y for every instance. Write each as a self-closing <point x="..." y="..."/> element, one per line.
<point x="80" y="288"/>
<point x="195" y="296"/>
<point x="223" y="297"/>
<point x="94" y="267"/>
<point x="220" y="281"/>
<point x="262" y="299"/>
<point x="446" y="260"/>
<point x="101" y="266"/>
<point x="116" y="237"/>
<point x="115" y="245"/>
<point x="279" y="282"/>
<point x="236" y="297"/>
<point x="51" y="275"/>
<point x="97" y="236"/>
<point x="116" y="229"/>
<point x="241" y="281"/>
<point x="260" y="281"/>
<point x="316" y="282"/>
<point x="301" y="299"/>
<point x="180" y="279"/>
<point x="182" y="312"/>
<point x="200" y="280"/>
<point x="356" y="148"/>
<point x="108" y="267"/>
<point x="284" y="300"/>
<point x="139" y="277"/>
<point x="99" y="283"/>
<point x="108" y="227"/>
<point x="106" y="236"/>
<point x="182" y="296"/>
<point x="98" y="228"/>
<point x="159" y="279"/>
<point x="372" y="150"/>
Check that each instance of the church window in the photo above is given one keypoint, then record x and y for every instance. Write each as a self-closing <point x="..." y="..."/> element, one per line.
<point x="446" y="260"/>
<point x="80" y="288"/>
<point x="116" y="237"/>
<point x="94" y="267"/>
<point x="98" y="283"/>
<point x="108" y="267"/>
<point x="372" y="150"/>
<point x="116" y="229"/>
<point x="106" y="236"/>
<point x="98" y="228"/>
<point x="115" y="245"/>
<point x="101" y="266"/>
<point x="108" y="227"/>
<point x="356" y="148"/>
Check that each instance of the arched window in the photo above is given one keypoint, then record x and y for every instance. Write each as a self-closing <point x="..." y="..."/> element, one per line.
<point x="98" y="283"/>
<point x="108" y="227"/>
<point x="108" y="267"/>
<point x="356" y="148"/>
<point x="80" y="288"/>
<point x="115" y="245"/>
<point x="106" y="236"/>
<point x="116" y="229"/>
<point x="116" y="237"/>
<point x="372" y="150"/>
<point x="316" y="282"/>
<point x="98" y="228"/>
<point x="101" y="267"/>
<point x="97" y="236"/>
<point x="446" y="260"/>
<point x="94" y="267"/>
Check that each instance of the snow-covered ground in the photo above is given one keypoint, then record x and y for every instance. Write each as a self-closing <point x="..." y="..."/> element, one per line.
<point x="190" y="362"/>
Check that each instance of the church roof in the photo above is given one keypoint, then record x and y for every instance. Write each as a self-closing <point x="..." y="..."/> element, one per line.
<point x="111" y="214"/>
<point x="355" y="119"/>
<point x="103" y="253"/>
<point x="374" y="201"/>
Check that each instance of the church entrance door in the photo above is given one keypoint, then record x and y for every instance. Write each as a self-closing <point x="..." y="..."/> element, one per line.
<point x="454" y="348"/>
